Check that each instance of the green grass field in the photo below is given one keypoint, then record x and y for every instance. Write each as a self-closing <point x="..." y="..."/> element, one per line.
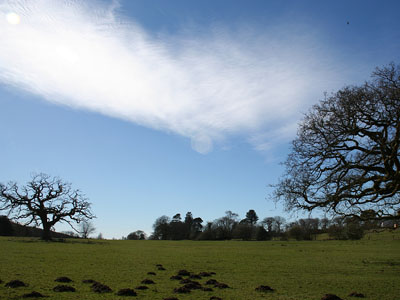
<point x="296" y="270"/>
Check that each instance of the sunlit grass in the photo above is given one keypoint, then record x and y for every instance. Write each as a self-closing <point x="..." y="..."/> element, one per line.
<point x="296" y="270"/>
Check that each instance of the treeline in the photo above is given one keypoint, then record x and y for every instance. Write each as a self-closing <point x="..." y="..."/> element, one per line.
<point x="230" y="226"/>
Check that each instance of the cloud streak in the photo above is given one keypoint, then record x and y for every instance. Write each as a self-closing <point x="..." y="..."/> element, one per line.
<point x="207" y="87"/>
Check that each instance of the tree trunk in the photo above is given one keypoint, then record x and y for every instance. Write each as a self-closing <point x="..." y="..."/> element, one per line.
<point x="46" y="235"/>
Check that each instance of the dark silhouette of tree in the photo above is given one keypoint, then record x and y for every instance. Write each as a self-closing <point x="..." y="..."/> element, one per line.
<point x="268" y="223"/>
<point x="44" y="200"/>
<point x="345" y="159"/>
<point x="137" y="235"/>
<point x="278" y="222"/>
<point x="86" y="228"/>
<point x="224" y="226"/>
<point x="244" y="230"/>
<point x="251" y="217"/>
<point x="161" y="228"/>
<point x="176" y="218"/>
<point x="262" y="234"/>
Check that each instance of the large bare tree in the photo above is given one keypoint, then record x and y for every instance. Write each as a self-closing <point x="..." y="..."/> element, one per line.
<point x="44" y="201"/>
<point x="345" y="158"/>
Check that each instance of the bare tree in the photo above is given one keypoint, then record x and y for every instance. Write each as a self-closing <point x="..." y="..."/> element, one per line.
<point x="86" y="228"/>
<point x="345" y="159"/>
<point x="44" y="201"/>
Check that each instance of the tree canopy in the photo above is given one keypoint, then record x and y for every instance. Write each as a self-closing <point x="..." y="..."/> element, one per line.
<point x="45" y="201"/>
<point x="345" y="158"/>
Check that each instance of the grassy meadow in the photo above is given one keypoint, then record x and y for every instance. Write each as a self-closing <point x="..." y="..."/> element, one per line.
<point x="296" y="270"/>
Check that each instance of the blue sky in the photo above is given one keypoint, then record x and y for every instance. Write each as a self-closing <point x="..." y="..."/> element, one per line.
<point x="160" y="107"/>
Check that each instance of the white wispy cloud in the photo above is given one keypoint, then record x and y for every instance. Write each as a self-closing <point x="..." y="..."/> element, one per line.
<point x="206" y="87"/>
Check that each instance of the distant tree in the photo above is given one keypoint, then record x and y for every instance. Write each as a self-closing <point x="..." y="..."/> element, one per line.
<point x="100" y="236"/>
<point x="262" y="234"/>
<point x="161" y="228"/>
<point x="268" y="223"/>
<point x="44" y="200"/>
<point x="251" y="217"/>
<point x="208" y="233"/>
<point x="224" y="226"/>
<point x="345" y="228"/>
<point x="176" y="218"/>
<point x="345" y="158"/>
<point x="278" y="222"/>
<point x="86" y="228"/>
<point x="6" y="228"/>
<point x="137" y="235"/>
<point x="244" y="230"/>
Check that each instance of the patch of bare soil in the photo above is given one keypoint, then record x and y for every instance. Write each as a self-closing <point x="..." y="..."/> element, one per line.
<point x="185" y="281"/>
<point x="64" y="288"/>
<point x="161" y="268"/>
<point x="141" y="287"/>
<point x="205" y="274"/>
<point x="98" y="287"/>
<point x="171" y="298"/>
<point x="181" y="290"/>
<point x="63" y="279"/>
<point x="147" y="281"/>
<point x="183" y="273"/>
<point x="211" y="281"/>
<point x="193" y="285"/>
<point x="264" y="288"/>
<point x="126" y="292"/>
<point x="206" y="289"/>
<point x="15" y="284"/>
<point x="89" y="281"/>
<point x="330" y="297"/>
<point x="151" y="273"/>
<point x="221" y="285"/>
<point x="195" y="276"/>
<point x="33" y="295"/>
<point x="176" y="277"/>
<point x="215" y="298"/>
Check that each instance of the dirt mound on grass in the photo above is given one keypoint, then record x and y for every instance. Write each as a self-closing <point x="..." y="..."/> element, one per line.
<point x="176" y="277"/>
<point x="171" y="298"/>
<point x="33" y="295"/>
<point x="206" y="289"/>
<point x="89" y="281"/>
<point x="330" y="297"/>
<point x="211" y="281"/>
<point x="183" y="273"/>
<point x="141" y="287"/>
<point x="15" y="284"/>
<point x="355" y="294"/>
<point x="221" y="285"/>
<point x="215" y="298"/>
<point x="64" y="288"/>
<point x="147" y="281"/>
<point x="186" y="280"/>
<point x="195" y="276"/>
<point x="126" y="292"/>
<point x="63" y="279"/>
<point x="264" y="288"/>
<point x="205" y="274"/>
<point x="182" y="290"/>
<point x="161" y="268"/>
<point x="192" y="285"/>
<point x="151" y="273"/>
<point x="98" y="287"/>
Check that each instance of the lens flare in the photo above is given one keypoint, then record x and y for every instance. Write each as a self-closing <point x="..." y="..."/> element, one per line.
<point x="13" y="18"/>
